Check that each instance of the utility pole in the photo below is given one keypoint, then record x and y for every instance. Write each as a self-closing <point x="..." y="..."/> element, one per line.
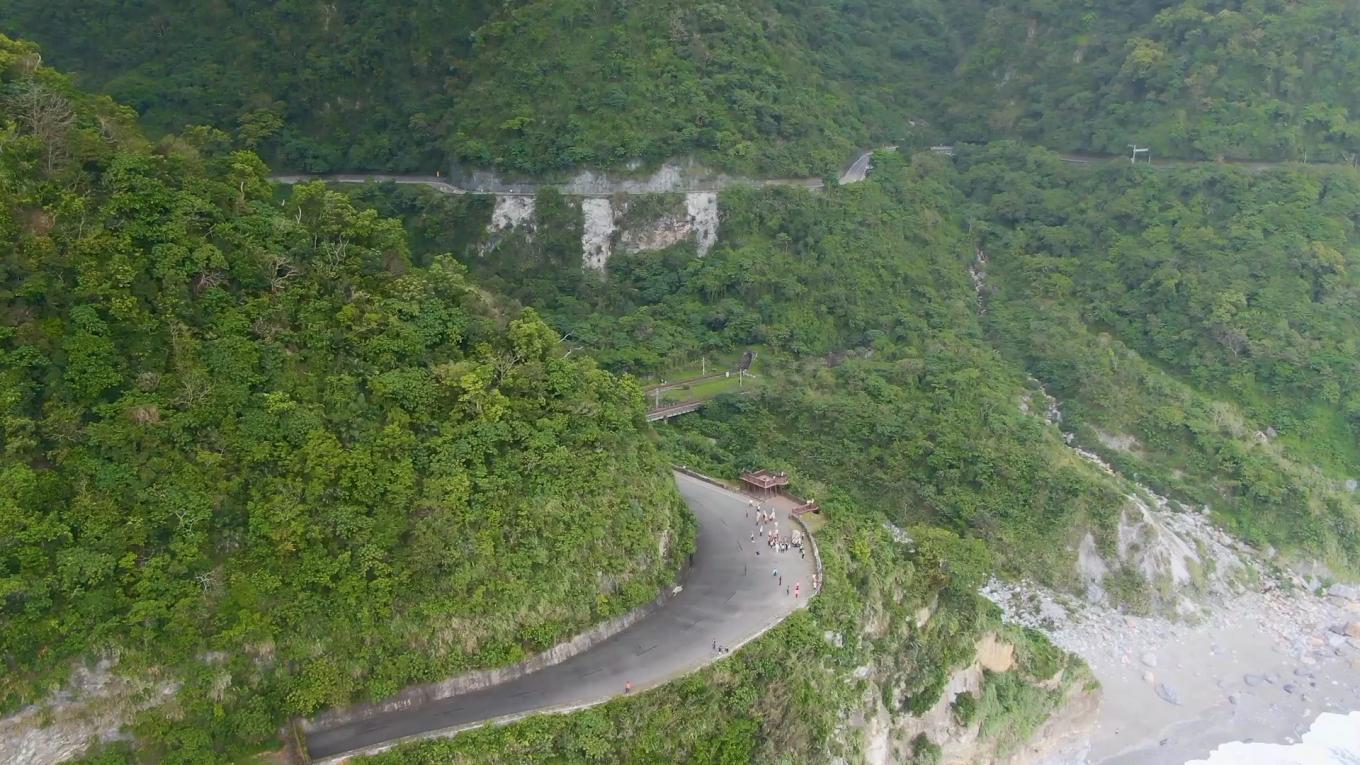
<point x="703" y="365"/>
<point x="1133" y="158"/>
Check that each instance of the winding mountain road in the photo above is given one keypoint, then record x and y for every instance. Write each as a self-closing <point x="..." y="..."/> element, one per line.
<point x="857" y="171"/>
<point x="591" y="187"/>
<point x="730" y="596"/>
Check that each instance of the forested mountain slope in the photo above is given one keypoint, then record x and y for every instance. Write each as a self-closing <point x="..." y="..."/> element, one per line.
<point x="1183" y="310"/>
<point x="1209" y="313"/>
<point x="252" y="450"/>
<point x="529" y="87"/>
<point x="767" y="86"/>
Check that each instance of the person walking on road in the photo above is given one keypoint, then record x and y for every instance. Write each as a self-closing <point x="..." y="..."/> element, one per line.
<point x="796" y="587"/>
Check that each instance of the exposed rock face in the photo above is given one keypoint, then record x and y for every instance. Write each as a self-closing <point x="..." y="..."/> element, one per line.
<point x="600" y="230"/>
<point x="703" y="216"/>
<point x="1092" y="568"/>
<point x="699" y="220"/>
<point x="1172" y="546"/>
<point x="1060" y="741"/>
<point x="597" y="232"/>
<point x="1065" y="738"/>
<point x="510" y="214"/>
<point x="994" y="655"/>
<point x="93" y="706"/>
<point x="666" y="231"/>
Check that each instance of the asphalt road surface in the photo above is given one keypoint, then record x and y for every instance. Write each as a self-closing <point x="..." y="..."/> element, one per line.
<point x="730" y="595"/>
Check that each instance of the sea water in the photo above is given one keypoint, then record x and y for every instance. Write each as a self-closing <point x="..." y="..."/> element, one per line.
<point x="1332" y="740"/>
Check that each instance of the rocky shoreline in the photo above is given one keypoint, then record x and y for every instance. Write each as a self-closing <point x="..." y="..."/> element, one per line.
<point x="1259" y="666"/>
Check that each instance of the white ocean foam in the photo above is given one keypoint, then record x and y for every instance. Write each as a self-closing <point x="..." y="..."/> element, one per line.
<point x="1333" y="740"/>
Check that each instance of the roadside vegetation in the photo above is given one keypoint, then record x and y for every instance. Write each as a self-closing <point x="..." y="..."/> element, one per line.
<point x="784" y="697"/>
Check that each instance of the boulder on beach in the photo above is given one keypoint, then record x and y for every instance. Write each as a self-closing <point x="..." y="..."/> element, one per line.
<point x="1289" y="688"/>
<point x="1169" y="694"/>
<point x="1253" y="680"/>
<point x="1149" y="659"/>
<point x="1353" y="630"/>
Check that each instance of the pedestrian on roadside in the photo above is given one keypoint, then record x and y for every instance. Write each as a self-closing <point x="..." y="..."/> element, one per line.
<point x="628" y="686"/>
<point x="796" y="587"/>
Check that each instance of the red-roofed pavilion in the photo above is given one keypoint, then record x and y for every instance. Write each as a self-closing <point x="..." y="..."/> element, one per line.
<point x="764" y="483"/>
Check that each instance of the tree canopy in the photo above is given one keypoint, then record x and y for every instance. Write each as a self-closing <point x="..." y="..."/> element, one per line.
<point x="253" y="444"/>
<point x="764" y="86"/>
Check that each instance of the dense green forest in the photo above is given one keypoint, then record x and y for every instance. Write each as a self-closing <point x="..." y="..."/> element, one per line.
<point x="257" y="448"/>
<point x="769" y="86"/>
<point x="294" y="447"/>
<point x="894" y="382"/>
<point x="1190" y="309"/>
<point x="1210" y="313"/>
<point x="260" y="435"/>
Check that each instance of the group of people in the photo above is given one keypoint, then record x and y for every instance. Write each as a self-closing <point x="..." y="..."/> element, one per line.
<point x="773" y="539"/>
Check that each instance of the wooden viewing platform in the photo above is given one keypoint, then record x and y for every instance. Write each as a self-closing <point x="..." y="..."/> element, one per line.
<point x="764" y="482"/>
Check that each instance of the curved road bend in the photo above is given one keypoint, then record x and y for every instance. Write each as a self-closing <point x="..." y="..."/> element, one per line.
<point x="730" y="596"/>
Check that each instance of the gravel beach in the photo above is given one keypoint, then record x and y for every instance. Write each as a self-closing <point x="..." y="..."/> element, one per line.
<point x="1259" y="667"/>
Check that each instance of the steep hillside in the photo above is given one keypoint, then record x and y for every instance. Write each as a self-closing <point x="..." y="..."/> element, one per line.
<point x="770" y="86"/>
<point x="527" y="87"/>
<point x="1175" y="313"/>
<point x="1198" y="78"/>
<point x="1200" y="322"/>
<point x="251" y="450"/>
<point x="878" y="378"/>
